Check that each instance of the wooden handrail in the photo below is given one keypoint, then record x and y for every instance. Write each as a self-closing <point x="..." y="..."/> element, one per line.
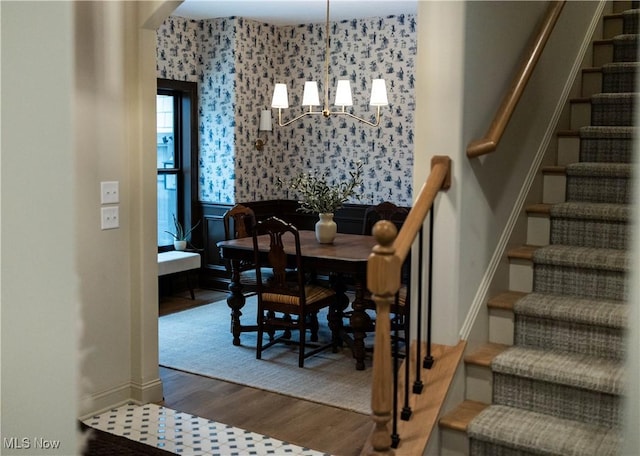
<point x="383" y="280"/>
<point x="491" y="139"/>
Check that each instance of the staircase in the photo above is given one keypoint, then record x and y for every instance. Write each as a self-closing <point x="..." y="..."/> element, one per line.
<point x="551" y="379"/>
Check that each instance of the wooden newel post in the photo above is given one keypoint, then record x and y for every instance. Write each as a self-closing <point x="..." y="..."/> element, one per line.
<point x="383" y="280"/>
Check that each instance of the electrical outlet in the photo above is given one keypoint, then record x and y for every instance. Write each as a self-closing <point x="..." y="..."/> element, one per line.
<point x="109" y="192"/>
<point x="110" y="217"/>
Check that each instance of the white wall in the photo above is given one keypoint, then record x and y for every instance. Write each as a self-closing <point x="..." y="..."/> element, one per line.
<point x="39" y="278"/>
<point x="115" y="126"/>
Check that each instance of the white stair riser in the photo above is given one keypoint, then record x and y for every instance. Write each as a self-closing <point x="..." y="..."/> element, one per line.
<point x="478" y="383"/>
<point x="501" y="324"/>
<point x="580" y="115"/>
<point x="602" y="53"/>
<point x="520" y="275"/>
<point x="555" y="188"/>
<point x="612" y="27"/>
<point x="538" y="229"/>
<point x="454" y="443"/>
<point x="591" y="83"/>
<point x="568" y="150"/>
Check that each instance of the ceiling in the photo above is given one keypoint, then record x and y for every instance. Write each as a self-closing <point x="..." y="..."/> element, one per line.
<point x="293" y="12"/>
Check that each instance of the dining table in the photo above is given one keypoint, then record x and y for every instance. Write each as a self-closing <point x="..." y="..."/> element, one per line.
<point x="344" y="261"/>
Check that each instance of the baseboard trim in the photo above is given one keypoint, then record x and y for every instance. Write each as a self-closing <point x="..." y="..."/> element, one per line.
<point x="104" y="400"/>
<point x="126" y="393"/>
<point x="147" y="392"/>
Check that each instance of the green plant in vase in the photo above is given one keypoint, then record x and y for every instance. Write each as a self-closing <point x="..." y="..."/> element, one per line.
<point x="180" y="235"/>
<point x="317" y="195"/>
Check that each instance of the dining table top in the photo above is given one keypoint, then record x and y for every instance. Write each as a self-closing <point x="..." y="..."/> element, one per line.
<point x="345" y="247"/>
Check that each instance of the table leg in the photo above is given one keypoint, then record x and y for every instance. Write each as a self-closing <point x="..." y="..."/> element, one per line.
<point x="336" y="311"/>
<point x="360" y="321"/>
<point x="235" y="301"/>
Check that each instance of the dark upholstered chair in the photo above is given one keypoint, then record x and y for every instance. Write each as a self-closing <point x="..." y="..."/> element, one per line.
<point x="284" y="304"/>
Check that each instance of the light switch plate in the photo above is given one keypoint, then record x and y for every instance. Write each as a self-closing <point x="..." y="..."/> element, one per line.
<point x="109" y="192"/>
<point x="110" y="217"/>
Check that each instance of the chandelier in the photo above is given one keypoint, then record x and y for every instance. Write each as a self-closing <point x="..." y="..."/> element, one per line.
<point x="343" y="99"/>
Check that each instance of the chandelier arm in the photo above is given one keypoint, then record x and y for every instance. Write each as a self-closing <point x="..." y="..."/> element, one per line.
<point x="327" y="52"/>
<point x="304" y="114"/>
<point x="353" y="116"/>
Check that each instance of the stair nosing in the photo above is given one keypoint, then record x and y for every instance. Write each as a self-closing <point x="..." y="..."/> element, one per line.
<point x="459" y="418"/>
<point x="505" y="300"/>
<point x="523" y="252"/>
<point x="484" y="354"/>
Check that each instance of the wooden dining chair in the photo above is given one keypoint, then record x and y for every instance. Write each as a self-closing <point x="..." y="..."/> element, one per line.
<point x="238" y="223"/>
<point x="284" y="304"/>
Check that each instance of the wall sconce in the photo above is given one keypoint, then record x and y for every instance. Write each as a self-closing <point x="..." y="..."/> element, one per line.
<point x="265" y="125"/>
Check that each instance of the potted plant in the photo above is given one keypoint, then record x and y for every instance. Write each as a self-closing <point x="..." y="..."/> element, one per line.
<point x="180" y="236"/>
<point x="316" y="195"/>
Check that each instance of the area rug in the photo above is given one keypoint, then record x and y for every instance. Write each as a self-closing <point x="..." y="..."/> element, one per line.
<point x="199" y="341"/>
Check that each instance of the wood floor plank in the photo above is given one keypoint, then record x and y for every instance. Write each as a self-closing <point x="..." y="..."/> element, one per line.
<point x="308" y="424"/>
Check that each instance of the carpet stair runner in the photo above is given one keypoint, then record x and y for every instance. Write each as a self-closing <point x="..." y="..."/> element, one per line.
<point x="558" y="390"/>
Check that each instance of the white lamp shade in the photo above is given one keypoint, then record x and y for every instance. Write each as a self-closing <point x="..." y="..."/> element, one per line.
<point x="265" y="120"/>
<point x="310" y="95"/>
<point x="343" y="93"/>
<point x="378" y="93"/>
<point x="280" y="98"/>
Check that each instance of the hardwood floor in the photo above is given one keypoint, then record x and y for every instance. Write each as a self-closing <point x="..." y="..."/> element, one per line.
<point x="320" y="427"/>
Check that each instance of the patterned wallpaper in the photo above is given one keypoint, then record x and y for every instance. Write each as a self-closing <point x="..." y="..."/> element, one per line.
<point x="236" y="61"/>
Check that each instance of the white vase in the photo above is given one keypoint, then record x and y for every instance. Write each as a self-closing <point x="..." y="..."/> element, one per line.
<point x="179" y="245"/>
<point x="326" y="229"/>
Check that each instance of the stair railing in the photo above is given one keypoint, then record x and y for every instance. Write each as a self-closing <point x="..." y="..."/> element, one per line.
<point x="383" y="280"/>
<point x="492" y="137"/>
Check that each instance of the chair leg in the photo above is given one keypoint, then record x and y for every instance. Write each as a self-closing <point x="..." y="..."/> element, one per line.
<point x="314" y="326"/>
<point x="287" y="331"/>
<point x="272" y="332"/>
<point x="302" y="326"/>
<point x="260" y="335"/>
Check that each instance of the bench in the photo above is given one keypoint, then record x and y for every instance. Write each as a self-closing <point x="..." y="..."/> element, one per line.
<point x="175" y="261"/>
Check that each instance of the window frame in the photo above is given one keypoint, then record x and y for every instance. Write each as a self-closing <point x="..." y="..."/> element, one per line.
<point x="185" y="150"/>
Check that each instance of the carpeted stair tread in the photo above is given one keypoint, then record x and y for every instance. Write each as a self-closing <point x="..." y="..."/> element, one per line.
<point x="572" y="325"/>
<point x="616" y="170"/>
<point x="582" y="257"/>
<point x="597" y="211"/>
<point x="619" y="77"/>
<point x="625" y="47"/>
<point x="569" y="369"/>
<point x="613" y="109"/>
<point x="626" y="37"/>
<point x="607" y="143"/>
<point x="604" y="132"/>
<point x="630" y="20"/>
<point x="607" y="313"/>
<point x="620" y="67"/>
<point x="536" y="433"/>
<point x="586" y="224"/>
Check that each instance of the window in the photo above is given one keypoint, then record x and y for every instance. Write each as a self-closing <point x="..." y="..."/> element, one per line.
<point x="176" y="138"/>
